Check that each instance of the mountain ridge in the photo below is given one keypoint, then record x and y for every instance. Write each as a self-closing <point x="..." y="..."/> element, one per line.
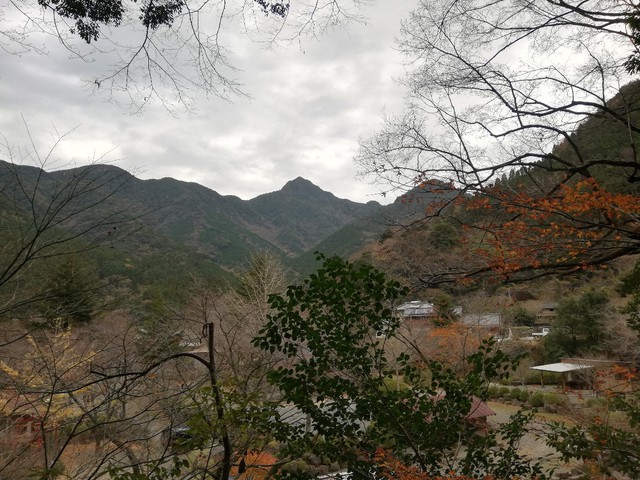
<point x="167" y="215"/>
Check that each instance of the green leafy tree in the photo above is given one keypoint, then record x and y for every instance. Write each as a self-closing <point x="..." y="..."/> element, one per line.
<point x="602" y="442"/>
<point x="520" y="316"/>
<point x="327" y="327"/>
<point x="443" y="235"/>
<point x="630" y="284"/>
<point x="579" y="324"/>
<point x="90" y="17"/>
<point x="632" y="308"/>
<point x="609" y="447"/>
<point x="444" y="310"/>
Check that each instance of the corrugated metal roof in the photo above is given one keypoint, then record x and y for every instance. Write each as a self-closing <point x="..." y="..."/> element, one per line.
<point x="482" y="319"/>
<point x="561" y="367"/>
<point x="416" y="309"/>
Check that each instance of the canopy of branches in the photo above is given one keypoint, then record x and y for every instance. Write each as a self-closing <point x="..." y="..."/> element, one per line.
<point x="521" y="109"/>
<point x="161" y="50"/>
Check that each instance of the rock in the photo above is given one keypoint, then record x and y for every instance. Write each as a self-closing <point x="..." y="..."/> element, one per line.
<point x="563" y="475"/>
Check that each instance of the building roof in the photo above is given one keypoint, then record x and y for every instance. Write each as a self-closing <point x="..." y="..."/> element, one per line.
<point x="482" y="319"/>
<point x="416" y="308"/>
<point x="561" y="367"/>
<point x="479" y="409"/>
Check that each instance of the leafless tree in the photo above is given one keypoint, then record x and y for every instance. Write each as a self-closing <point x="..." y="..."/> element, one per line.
<point x="163" y="50"/>
<point x="47" y="216"/>
<point x="59" y="419"/>
<point x="237" y="370"/>
<point x="93" y="390"/>
<point x="44" y="379"/>
<point x="210" y="381"/>
<point x="498" y="89"/>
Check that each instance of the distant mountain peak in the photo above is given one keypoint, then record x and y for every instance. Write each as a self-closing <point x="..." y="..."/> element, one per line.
<point x="299" y="185"/>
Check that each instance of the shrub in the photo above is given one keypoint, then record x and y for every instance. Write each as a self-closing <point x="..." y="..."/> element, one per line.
<point x="555" y="399"/>
<point x="387" y="234"/>
<point x="524" y="395"/>
<point x="596" y="402"/>
<point x="504" y="392"/>
<point x="521" y="316"/>
<point x="296" y="466"/>
<point x="532" y="377"/>
<point x="515" y="393"/>
<point x="493" y="392"/>
<point x="618" y="420"/>
<point x="537" y="400"/>
<point x="522" y="295"/>
<point x="392" y="383"/>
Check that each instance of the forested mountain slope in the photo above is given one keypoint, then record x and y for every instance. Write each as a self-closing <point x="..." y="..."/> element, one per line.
<point x="172" y="226"/>
<point x="574" y="209"/>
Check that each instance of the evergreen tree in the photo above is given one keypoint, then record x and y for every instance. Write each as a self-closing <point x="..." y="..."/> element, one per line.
<point x="578" y="327"/>
<point x="69" y="294"/>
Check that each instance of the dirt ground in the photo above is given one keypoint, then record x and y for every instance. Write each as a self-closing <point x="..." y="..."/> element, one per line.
<point x="532" y="445"/>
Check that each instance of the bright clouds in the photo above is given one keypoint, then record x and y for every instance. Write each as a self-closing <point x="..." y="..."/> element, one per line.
<point x="308" y="106"/>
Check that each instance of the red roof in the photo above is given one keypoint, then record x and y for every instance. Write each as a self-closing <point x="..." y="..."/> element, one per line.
<point x="479" y="409"/>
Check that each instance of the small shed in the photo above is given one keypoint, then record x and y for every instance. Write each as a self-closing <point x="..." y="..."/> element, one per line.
<point x="571" y="372"/>
<point x="611" y="376"/>
<point x="478" y="413"/>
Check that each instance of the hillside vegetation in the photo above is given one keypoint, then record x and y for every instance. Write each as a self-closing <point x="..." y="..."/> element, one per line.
<point x="152" y="321"/>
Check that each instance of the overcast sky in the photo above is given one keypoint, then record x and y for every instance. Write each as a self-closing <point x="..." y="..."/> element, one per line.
<point x="309" y="104"/>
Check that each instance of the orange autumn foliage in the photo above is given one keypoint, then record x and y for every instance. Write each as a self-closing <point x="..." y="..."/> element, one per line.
<point x="258" y="465"/>
<point x="615" y="380"/>
<point x="578" y="225"/>
<point x="393" y="469"/>
<point x="451" y="344"/>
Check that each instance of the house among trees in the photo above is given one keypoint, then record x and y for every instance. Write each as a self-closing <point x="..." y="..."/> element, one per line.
<point x="424" y="317"/>
<point x="416" y="310"/>
<point x="20" y="422"/>
<point x="418" y="313"/>
<point x="478" y="413"/>
<point x="417" y="317"/>
<point x="485" y="324"/>
<point x="489" y="321"/>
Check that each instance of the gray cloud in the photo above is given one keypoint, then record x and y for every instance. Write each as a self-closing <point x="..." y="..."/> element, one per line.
<point x="309" y="104"/>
